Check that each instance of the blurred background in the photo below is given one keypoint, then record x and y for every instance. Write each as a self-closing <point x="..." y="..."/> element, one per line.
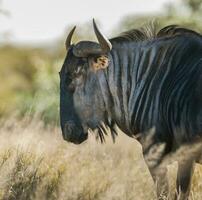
<point x="32" y="35"/>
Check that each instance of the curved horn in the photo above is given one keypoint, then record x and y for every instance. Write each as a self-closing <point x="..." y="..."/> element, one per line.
<point x="69" y="38"/>
<point x="105" y="44"/>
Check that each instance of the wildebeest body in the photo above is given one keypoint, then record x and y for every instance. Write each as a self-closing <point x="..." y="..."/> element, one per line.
<point x="141" y="84"/>
<point x="154" y="84"/>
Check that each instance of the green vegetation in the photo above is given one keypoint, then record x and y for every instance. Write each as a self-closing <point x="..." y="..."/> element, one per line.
<point x="187" y="13"/>
<point x="29" y="82"/>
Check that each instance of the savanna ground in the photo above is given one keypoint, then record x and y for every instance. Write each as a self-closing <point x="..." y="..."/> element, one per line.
<point x="35" y="163"/>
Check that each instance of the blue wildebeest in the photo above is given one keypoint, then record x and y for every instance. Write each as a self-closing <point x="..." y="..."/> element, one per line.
<point x="137" y="82"/>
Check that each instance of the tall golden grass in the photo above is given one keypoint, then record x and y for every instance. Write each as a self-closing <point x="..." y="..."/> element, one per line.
<point x="35" y="163"/>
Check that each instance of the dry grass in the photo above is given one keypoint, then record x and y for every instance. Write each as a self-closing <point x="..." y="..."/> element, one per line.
<point x="35" y="163"/>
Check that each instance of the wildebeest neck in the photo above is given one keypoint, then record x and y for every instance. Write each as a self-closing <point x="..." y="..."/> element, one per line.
<point x="139" y="85"/>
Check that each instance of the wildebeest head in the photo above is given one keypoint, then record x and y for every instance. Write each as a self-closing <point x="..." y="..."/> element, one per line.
<point x="81" y="101"/>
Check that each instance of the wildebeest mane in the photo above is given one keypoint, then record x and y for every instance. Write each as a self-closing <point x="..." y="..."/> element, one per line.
<point x="151" y="32"/>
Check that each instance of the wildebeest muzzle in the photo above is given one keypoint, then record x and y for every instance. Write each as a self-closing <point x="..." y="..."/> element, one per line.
<point x="73" y="133"/>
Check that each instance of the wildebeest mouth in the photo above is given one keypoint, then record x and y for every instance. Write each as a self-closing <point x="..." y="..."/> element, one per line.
<point x="73" y="133"/>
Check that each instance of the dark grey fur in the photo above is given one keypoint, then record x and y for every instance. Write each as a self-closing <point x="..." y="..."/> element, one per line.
<point x="153" y="81"/>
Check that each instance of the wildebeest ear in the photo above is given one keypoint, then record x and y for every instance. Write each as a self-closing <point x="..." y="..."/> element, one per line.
<point x="99" y="62"/>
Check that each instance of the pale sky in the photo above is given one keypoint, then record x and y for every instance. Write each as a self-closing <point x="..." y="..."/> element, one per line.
<point x="37" y="21"/>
